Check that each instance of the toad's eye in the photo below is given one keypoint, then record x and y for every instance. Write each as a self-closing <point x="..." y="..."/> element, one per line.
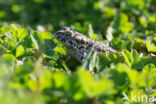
<point x="67" y="35"/>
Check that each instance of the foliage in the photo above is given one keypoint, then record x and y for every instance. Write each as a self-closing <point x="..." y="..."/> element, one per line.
<point x="35" y="68"/>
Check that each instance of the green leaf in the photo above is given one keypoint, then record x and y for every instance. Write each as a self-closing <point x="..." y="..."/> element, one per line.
<point x="46" y="35"/>
<point x="104" y="61"/>
<point x="153" y="49"/>
<point x="4" y="29"/>
<point x="149" y="73"/>
<point x="121" y="24"/>
<point x="66" y="68"/>
<point x="150" y="47"/>
<point x="34" y="41"/>
<point x="61" y="80"/>
<point x="149" y="70"/>
<point x="90" y="30"/>
<point x="22" y="33"/>
<point x="94" y="87"/>
<point x="135" y="54"/>
<point x="9" y="35"/>
<point x="20" y="51"/>
<point x="8" y="58"/>
<point x="141" y="62"/>
<point x="119" y="75"/>
<point x="128" y="57"/>
<point x="60" y="50"/>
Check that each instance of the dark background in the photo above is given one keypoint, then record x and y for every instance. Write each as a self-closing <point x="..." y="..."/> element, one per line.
<point x="54" y="14"/>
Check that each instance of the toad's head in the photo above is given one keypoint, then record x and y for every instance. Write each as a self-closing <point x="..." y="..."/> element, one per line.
<point x="65" y="34"/>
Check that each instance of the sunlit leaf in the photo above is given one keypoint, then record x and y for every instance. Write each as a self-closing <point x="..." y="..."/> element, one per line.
<point x="60" y="50"/>
<point x="128" y="57"/>
<point x="34" y="41"/>
<point x="20" y="51"/>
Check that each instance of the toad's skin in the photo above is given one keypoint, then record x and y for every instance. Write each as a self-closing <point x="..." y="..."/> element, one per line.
<point x="78" y="45"/>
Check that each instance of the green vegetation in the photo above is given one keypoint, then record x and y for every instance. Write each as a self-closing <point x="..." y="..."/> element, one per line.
<point x="35" y="68"/>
